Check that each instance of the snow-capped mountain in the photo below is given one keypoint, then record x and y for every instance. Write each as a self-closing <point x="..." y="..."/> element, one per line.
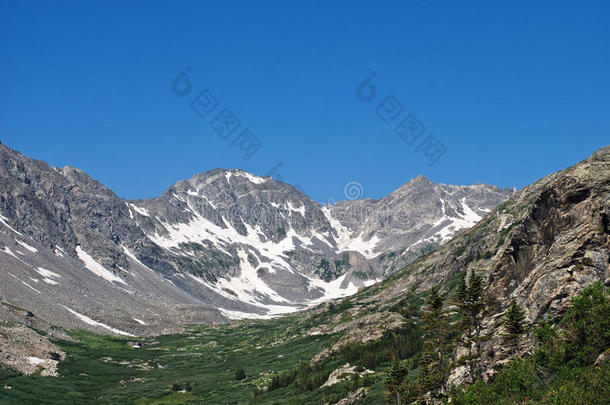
<point x="223" y="244"/>
<point x="418" y="214"/>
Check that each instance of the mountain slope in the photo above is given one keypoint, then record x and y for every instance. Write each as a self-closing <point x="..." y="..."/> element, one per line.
<point x="419" y="214"/>
<point x="542" y="246"/>
<point x="223" y="244"/>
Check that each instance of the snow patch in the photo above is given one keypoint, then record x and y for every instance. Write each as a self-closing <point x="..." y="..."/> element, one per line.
<point x="139" y="210"/>
<point x="454" y="225"/>
<point x="300" y="209"/>
<point x="28" y="247"/>
<point x="91" y="322"/>
<point x="332" y="289"/>
<point x="134" y="258"/>
<point x="95" y="267"/>
<point x="347" y="242"/>
<point x="24" y="283"/>
<point x="201" y="229"/>
<point x="273" y="312"/>
<point x="250" y="177"/>
<point x="4" y="220"/>
<point x="47" y="273"/>
<point x="48" y="276"/>
<point x="9" y="252"/>
<point x="35" y="360"/>
<point x="59" y="251"/>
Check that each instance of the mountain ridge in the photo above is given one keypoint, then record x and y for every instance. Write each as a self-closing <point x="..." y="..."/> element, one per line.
<point x="235" y="243"/>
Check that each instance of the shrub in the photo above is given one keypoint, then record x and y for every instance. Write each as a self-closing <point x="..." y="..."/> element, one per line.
<point x="240" y="374"/>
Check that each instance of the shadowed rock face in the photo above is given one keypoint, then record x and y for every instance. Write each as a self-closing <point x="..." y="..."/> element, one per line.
<point x="222" y="244"/>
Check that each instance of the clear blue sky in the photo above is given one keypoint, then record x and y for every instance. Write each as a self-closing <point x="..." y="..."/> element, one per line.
<point x="514" y="90"/>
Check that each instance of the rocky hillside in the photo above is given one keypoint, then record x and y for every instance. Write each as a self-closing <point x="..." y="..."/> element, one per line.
<point x="223" y="244"/>
<point x="541" y="247"/>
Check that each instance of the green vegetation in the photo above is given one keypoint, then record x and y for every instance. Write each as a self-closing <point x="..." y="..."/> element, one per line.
<point x="485" y="255"/>
<point x="269" y="362"/>
<point x="434" y="364"/>
<point x="570" y="363"/>
<point x="566" y="367"/>
<point x="396" y="392"/>
<point x="202" y="363"/>
<point x="403" y="343"/>
<point x="460" y="251"/>
<point x="240" y="374"/>
<point x="431" y="367"/>
<point x="514" y="323"/>
<point x="469" y="299"/>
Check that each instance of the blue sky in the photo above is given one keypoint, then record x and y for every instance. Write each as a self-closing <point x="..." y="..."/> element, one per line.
<point x="512" y="90"/>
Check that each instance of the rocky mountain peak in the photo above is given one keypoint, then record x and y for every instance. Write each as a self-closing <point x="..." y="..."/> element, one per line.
<point x="420" y="179"/>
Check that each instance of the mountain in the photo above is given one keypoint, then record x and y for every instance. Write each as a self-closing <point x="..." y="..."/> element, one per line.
<point x="542" y="246"/>
<point x="546" y="248"/>
<point x="223" y="244"/>
<point x="419" y="214"/>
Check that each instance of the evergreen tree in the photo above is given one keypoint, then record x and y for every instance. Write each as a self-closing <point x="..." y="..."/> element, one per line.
<point x="469" y="299"/>
<point x="461" y="291"/>
<point x="395" y="385"/>
<point x="587" y="324"/>
<point x="514" y="323"/>
<point x="433" y="363"/>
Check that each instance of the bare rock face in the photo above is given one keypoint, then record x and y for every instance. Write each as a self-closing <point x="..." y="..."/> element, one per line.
<point x="559" y="246"/>
<point x="353" y="396"/>
<point x="223" y="244"/>
<point x="28" y="352"/>
<point x="343" y="373"/>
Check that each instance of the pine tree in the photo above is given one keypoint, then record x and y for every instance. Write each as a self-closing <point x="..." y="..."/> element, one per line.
<point x="469" y="299"/>
<point x="461" y="291"/>
<point x="433" y="363"/>
<point x="475" y="296"/>
<point x="395" y="385"/>
<point x="514" y="323"/>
